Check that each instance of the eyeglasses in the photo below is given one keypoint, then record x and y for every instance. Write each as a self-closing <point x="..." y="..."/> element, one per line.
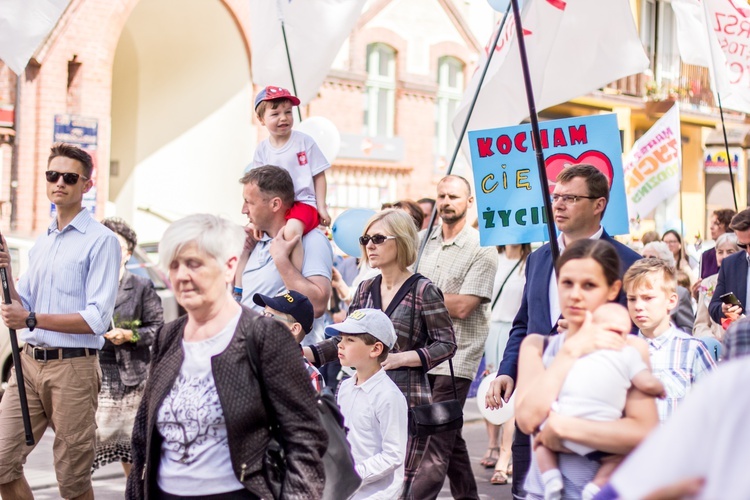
<point x="377" y="239"/>
<point x="570" y="199"/>
<point x="276" y="316"/>
<point x="743" y="245"/>
<point x="68" y="177"/>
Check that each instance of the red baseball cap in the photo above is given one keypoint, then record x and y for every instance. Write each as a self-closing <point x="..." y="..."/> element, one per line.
<point x="270" y="93"/>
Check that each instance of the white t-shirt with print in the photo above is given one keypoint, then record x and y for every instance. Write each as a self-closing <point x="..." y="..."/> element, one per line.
<point x="195" y="451"/>
<point x="301" y="157"/>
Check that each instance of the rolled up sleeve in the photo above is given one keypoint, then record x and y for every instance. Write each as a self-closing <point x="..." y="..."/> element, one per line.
<point x="102" y="282"/>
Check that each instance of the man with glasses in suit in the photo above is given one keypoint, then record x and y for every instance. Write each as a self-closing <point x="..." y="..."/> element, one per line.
<point x="65" y="300"/>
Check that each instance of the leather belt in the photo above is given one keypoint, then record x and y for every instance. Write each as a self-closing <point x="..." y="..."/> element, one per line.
<point x="42" y="354"/>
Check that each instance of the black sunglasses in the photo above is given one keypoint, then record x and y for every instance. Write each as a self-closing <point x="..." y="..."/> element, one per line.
<point x="68" y="177"/>
<point x="377" y="239"/>
<point x="743" y="245"/>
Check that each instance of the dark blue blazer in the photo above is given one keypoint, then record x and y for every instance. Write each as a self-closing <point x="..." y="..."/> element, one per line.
<point x="533" y="316"/>
<point x="732" y="278"/>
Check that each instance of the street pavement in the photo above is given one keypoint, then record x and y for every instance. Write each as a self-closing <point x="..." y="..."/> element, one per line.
<point x="109" y="481"/>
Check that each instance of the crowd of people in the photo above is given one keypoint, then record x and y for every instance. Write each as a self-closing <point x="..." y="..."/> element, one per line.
<point x="602" y="345"/>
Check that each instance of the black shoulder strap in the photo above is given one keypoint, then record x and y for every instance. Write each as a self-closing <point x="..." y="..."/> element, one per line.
<point x="504" y="282"/>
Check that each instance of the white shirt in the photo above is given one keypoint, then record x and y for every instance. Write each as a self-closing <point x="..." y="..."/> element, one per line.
<point x="706" y="437"/>
<point x="510" y="300"/>
<point x="376" y="414"/>
<point x="301" y="157"/>
<point x="195" y="452"/>
<point x="554" y="297"/>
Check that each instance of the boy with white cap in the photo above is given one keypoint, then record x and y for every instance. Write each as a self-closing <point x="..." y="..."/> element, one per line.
<point x="374" y="408"/>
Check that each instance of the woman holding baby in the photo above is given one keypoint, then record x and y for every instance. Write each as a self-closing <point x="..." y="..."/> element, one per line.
<point x="587" y="279"/>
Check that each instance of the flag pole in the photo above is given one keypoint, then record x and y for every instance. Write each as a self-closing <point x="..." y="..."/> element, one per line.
<point x="726" y="146"/>
<point x="537" y="142"/>
<point x="460" y="137"/>
<point x="288" y="56"/>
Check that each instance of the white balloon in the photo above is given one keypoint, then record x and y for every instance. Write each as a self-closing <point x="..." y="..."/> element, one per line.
<point x="325" y="134"/>
<point x="499" y="416"/>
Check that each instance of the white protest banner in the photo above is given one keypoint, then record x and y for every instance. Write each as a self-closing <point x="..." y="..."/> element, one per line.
<point x="653" y="167"/>
<point x="573" y="47"/>
<point x="315" y="31"/>
<point x="24" y="24"/>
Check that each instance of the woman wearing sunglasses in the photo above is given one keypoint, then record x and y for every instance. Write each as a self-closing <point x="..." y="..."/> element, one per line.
<point x="424" y="329"/>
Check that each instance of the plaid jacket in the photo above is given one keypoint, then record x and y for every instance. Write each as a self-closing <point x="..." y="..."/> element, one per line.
<point x="433" y="339"/>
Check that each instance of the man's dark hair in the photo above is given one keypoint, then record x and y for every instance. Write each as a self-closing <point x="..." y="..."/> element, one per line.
<point x="596" y="181"/>
<point x="431" y="201"/>
<point x="74" y="153"/>
<point x="119" y="226"/>
<point x="724" y="217"/>
<point x="412" y="209"/>
<point x="271" y="181"/>
<point x="741" y="221"/>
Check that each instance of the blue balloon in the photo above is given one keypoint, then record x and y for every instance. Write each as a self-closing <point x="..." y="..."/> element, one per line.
<point x="502" y="5"/>
<point x="348" y="227"/>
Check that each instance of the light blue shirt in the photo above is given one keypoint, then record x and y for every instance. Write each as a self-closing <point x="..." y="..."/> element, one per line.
<point x="261" y="276"/>
<point x="75" y="270"/>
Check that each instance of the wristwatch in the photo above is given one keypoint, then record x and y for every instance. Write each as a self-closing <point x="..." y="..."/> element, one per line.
<point x="31" y="321"/>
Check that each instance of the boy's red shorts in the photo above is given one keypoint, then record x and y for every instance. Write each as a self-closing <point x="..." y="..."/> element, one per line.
<point x="305" y="214"/>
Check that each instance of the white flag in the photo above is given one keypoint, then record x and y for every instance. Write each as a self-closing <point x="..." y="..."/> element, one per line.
<point x="315" y="31"/>
<point x="721" y="44"/>
<point x="692" y="40"/>
<point x="24" y="24"/>
<point x="573" y="47"/>
<point x="652" y="169"/>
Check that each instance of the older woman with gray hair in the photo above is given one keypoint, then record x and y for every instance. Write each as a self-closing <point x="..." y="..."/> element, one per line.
<point x="202" y="426"/>
<point x="682" y="316"/>
<point x="705" y="326"/>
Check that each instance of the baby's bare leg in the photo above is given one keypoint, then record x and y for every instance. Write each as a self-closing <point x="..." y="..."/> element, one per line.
<point x="294" y="227"/>
<point x="546" y="458"/>
<point x="608" y="466"/>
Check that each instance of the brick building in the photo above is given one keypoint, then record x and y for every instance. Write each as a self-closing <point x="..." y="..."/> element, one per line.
<point x="165" y="86"/>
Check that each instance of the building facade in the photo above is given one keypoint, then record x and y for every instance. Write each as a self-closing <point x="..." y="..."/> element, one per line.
<point x="161" y="92"/>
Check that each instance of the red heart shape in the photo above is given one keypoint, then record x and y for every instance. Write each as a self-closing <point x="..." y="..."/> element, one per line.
<point x="559" y="161"/>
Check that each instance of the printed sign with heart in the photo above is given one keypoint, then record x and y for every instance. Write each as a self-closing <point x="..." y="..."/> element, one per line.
<point x="557" y="162"/>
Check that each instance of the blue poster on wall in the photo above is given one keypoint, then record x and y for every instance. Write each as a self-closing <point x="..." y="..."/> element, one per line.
<point x="509" y="194"/>
<point x="83" y="132"/>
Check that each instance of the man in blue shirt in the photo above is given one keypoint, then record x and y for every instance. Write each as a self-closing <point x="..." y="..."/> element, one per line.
<point x="66" y="300"/>
<point x="266" y="267"/>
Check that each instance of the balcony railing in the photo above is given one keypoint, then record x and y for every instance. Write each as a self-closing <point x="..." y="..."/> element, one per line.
<point x="692" y="88"/>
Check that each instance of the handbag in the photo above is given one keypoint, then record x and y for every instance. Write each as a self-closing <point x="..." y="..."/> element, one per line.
<point x="432" y="418"/>
<point x="342" y="479"/>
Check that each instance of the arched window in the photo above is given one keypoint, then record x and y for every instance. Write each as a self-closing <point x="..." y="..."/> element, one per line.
<point x="380" y="96"/>
<point x="450" y="90"/>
